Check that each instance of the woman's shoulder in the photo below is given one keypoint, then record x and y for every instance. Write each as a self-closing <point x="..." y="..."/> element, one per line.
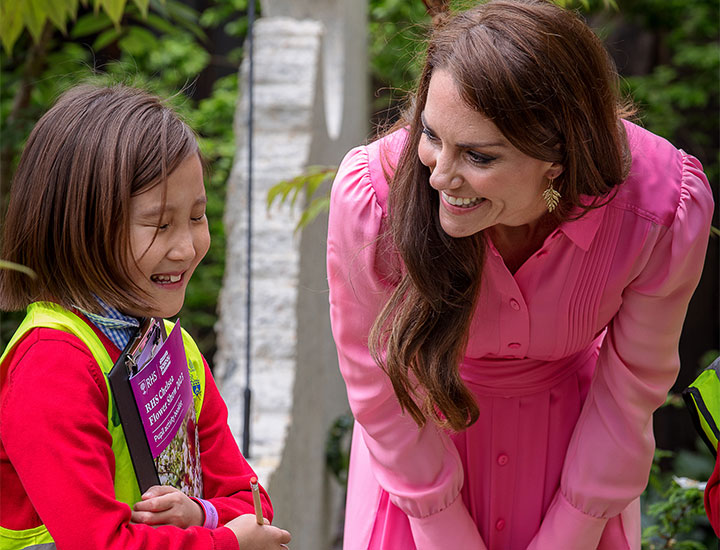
<point x="661" y="178"/>
<point x="366" y="170"/>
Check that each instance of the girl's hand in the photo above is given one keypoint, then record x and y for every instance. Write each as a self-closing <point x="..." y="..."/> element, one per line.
<point x="164" y="505"/>
<point x="252" y="536"/>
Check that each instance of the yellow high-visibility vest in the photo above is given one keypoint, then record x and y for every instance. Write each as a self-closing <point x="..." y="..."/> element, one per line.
<point x="49" y="315"/>
<point x="703" y="400"/>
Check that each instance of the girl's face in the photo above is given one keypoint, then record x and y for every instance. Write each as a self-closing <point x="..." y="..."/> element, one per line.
<point x="168" y="244"/>
<point x="483" y="180"/>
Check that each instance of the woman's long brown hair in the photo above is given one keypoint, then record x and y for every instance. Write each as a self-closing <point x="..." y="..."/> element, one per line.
<point x="545" y="80"/>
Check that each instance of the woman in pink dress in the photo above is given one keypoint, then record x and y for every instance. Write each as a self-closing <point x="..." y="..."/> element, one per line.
<point x="509" y="274"/>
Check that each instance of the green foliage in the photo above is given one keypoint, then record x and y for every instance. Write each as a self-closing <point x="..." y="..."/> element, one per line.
<point x="4" y="264"/>
<point x="396" y="33"/>
<point x="310" y="183"/>
<point x="34" y="15"/>
<point x="674" y="515"/>
<point x="680" y="98"/>
<point x="337" y="447"/>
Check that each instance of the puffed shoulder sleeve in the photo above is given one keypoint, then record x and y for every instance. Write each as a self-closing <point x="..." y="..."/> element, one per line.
<point x="610" y="454"/>
<point x="360" y="275"/>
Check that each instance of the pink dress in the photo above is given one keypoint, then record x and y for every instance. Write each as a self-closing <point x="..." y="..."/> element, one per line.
<point x="567" y="358"/>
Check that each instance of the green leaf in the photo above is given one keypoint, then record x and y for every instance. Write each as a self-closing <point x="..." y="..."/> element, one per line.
<point x="143" y="5"/>
<point x="137" y="41"/>
<point x="34" y="17"/>
<point x="5" y="264"/>
<point x="11" y="23"/>
<point x="115" y="9"/>
<point x="90" y="24"/>
<point x="317" y="206"/>
<point x="106" y="38"/>
<point x="56" y="12"/>
<point x="160" y="24"/>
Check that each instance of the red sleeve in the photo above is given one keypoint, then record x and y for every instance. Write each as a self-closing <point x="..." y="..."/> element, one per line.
<point x="55" y="442"/>
<point x="226" y="473"/>
<point x="712" y="497"/>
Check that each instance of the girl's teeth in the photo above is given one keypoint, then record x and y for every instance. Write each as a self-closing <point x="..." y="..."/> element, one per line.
<point x="460" y="201"/>
<point x="166" y="278"/>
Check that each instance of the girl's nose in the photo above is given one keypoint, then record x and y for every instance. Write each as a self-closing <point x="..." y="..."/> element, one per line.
<point x="183" y="247"/>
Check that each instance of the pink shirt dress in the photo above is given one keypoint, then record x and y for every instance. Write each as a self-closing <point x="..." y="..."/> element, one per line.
<point x="567" y="359"/>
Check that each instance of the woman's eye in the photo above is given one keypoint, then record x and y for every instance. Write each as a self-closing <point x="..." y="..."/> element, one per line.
<point x="199" y="218"/>
<point x="479" y="158"/>
<point x="163" y="226"/>
<point x="429" y="134"/>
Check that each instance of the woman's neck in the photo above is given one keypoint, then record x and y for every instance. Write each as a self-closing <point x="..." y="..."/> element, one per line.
<point x="517" y="243"/>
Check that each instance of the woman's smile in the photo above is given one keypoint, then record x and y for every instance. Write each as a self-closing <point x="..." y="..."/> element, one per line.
<point x="481" y="178"/>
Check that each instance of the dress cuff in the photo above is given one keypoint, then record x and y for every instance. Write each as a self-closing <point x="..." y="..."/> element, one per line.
<point x="450" y="528"/>
<point x="565" y="526"/>
<point x="210" y="515"/>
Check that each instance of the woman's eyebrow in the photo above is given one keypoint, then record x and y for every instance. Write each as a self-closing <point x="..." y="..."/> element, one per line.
<point x="478" y="145"/>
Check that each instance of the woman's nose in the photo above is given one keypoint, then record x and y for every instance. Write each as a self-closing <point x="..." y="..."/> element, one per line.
<point x="442" y="172"/>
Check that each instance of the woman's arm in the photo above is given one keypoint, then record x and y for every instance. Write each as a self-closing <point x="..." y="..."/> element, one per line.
<point x="609" y="457"/>
<point x="419" y="467"/>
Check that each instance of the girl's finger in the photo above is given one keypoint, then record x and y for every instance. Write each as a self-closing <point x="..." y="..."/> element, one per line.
<point x="154" y="504"/>
<point x="158" y="490"/>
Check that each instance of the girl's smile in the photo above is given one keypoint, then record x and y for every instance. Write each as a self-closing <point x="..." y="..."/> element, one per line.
<point x="168" y="239"/>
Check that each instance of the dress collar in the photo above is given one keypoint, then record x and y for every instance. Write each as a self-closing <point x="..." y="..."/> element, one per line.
<point x="582" y="231"/>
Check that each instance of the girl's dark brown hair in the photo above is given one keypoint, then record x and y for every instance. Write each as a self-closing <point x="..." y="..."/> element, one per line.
<point x="68" y="217"/>
<point x="546" y="81"/>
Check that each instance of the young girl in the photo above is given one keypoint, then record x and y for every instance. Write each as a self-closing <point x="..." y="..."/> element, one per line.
<point x="108" y="209"/>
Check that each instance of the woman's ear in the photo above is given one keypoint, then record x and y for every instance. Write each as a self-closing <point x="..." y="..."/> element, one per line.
<point x="554" y="171"/>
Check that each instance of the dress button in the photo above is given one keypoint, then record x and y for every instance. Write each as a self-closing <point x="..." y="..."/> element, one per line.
<point x="514" y="345"/>
<point x="514" y="304"/>
<point x="502" y="459"/>
<point x="500" y="524"/>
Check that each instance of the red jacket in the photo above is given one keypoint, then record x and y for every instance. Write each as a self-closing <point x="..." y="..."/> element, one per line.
<point x="57" y="465"/>
<point x="712" y="497"/>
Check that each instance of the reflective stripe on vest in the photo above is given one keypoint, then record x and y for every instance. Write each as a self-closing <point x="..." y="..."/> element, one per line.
<point x="49" y="315"/>
<point x="703" y="400"/>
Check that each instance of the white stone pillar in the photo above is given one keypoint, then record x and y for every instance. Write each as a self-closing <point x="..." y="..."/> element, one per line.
<point x="305" y="53"/>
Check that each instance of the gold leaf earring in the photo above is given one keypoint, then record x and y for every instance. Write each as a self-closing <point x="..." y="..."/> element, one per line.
<point x="551" y="196"/>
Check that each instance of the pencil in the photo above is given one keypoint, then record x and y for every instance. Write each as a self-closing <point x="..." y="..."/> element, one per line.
<point x="256" y="500"/>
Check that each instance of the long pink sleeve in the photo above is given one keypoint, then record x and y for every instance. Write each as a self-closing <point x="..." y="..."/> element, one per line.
<point x="419" y="468"/>
<point x="610" y="453"/>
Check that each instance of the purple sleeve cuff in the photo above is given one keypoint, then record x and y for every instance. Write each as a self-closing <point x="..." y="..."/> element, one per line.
<point x="209" y="512"/>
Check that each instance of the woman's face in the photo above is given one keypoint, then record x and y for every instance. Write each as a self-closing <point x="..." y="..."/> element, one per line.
<point x="168" y="243"/>
<point x="483" y="181"/>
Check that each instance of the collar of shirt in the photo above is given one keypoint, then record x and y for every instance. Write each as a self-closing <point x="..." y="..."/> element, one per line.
<point x="582" y="231"/>
<point x="118" y="327"/>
